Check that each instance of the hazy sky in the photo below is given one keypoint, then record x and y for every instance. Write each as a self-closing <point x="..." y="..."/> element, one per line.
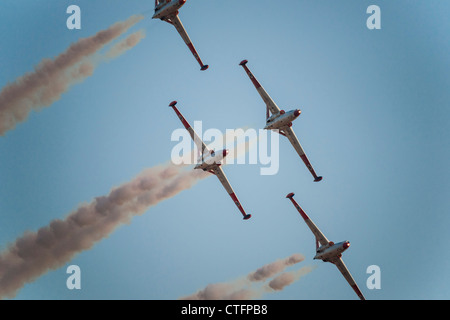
<point x="374" y="123"/>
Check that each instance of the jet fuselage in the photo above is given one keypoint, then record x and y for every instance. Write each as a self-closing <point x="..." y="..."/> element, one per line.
<point x="165" y="9"/>
<point x="212" y="160"/>
<point x="281" y="119"/>
<point x="330" y="252"/>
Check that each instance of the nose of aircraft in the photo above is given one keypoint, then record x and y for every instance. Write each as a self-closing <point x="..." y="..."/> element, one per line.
<point x="297" y="112"/>
<point x="225" y="152"/>
<point x="346" y="245"/>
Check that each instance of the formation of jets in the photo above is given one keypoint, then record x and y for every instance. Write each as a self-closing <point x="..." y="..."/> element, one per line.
<point x="276" y="119"/>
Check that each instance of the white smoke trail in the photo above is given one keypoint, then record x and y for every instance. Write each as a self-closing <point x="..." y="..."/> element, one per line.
<point x="247" y="288"/>
<point x="121" y="47"/>
<point x="287" y="278"/>
<point x="52" y="77"/>
<point x="86" y="67"/>
<point x="269" y="270"/>
<point x="35" y="253"/>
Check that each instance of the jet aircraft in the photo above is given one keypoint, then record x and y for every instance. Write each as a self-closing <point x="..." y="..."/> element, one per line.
<point x="328" y="251"/>
<point x="281" y="120"/>
<point x="211" y="161"/>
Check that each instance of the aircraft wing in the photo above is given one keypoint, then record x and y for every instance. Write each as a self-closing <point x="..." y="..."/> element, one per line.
<point x="320" y="237"/>
<point x="343" y="269"/>
<point x="197" y="140"/>
<point x="289" y="133"/>
<point x="223" y="179"/>
<point x="271" y="105"/>
<point x="175" y="20"/>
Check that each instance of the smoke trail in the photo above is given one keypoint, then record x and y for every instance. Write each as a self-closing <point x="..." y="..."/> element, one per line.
<point x="52" y="246"/>
<point x="87" y="66"/>
<point x="269" y="270"/>
<point x="287" y="278"/>
<point x="125" y="45"/>
<point x="244" y="288"/>
<point x="53" y="77"/>
<point x="49" y="248"/>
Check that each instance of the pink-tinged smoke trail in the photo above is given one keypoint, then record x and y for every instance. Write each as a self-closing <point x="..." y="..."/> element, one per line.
<point x="248" y="287"/>
<point x="50" y="247"/>
<point x="52" y="77"/>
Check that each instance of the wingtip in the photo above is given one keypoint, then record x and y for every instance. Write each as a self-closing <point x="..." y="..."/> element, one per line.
<point x="318" y="179"/>
<point x="204" y="67"/>
<point x="173" y="103"/>
<point x="290" y="195"/>
<point x="243" y="62"/>
<point x="247" y="216"/>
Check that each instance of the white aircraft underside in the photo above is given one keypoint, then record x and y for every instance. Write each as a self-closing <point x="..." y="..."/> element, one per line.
<point x="211" y="161"/>
<point x="328" y="251"/>
<point x="280" y="120"/>
<point x="167" y="10"/>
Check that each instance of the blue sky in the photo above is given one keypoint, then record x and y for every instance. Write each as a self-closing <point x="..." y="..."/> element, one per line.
<point x="374" y="123"/>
